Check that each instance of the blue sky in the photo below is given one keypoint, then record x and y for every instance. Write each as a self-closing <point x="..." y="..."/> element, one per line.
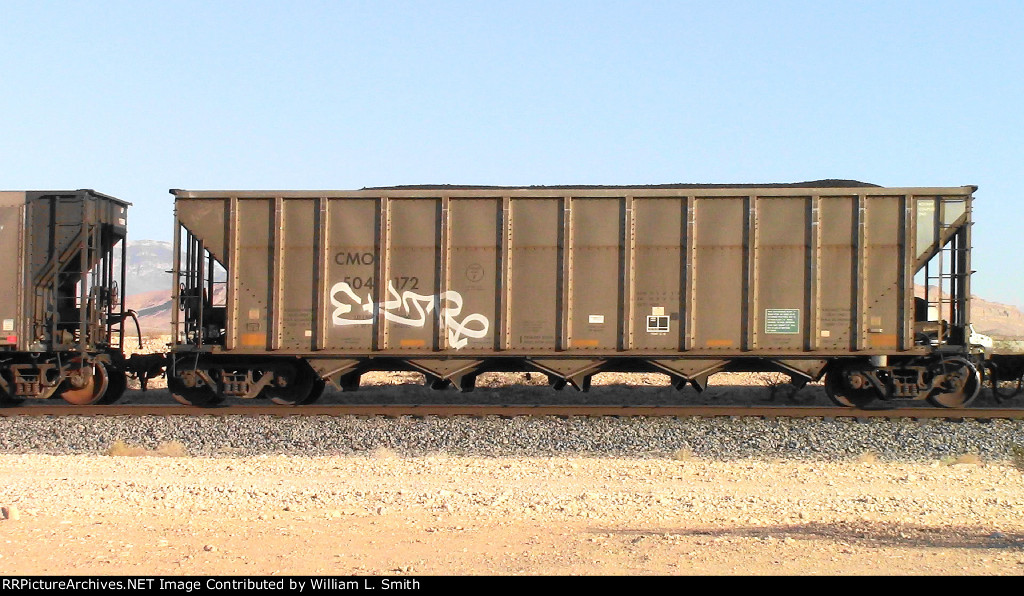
<point x="134" y="98"/>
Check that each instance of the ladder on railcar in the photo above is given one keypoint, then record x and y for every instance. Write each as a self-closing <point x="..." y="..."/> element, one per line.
<point x="949" y="283"/>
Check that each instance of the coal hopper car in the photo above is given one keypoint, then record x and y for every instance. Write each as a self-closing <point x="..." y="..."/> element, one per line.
<point x="62" y="287"/>
<point x="282" y="292"/>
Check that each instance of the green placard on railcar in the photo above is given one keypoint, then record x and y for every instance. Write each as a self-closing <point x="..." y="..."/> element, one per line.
<point x="782" y="320"/>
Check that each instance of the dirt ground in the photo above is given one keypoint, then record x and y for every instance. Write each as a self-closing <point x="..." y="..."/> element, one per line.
<point x="382" y="514"/>
<point x="169" y="513"/>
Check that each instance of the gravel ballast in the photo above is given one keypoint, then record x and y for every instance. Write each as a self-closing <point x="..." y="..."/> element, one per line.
<point x="718" y="438"/>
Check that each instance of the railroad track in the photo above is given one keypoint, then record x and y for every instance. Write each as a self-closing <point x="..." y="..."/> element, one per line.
<point x="415" y="410"/>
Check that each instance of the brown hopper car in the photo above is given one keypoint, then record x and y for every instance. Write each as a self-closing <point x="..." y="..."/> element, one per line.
<point x="280" y="292"/>
<point x="62" y="287"/>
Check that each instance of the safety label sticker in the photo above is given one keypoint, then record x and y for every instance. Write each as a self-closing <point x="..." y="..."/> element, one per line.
<point x="782" y="320"/>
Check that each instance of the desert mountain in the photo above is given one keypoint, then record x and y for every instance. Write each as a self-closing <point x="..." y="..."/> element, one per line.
<point x="997" y="320"/>
<point x="149" y="263"/>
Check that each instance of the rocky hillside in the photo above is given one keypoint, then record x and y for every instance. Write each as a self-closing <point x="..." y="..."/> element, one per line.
<point x="149" y="262"/>
<point x="997" y="320"/>
<point x="153" y="308"/>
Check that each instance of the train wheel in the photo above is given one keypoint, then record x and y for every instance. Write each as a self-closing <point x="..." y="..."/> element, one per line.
<point x="961" y="384"/>
<point x="116" y="384"/>
<point x="88" y="389"/>
<point x="849" y="387"/>
<point x="318" y="390"/>
<point x="294" y="386"/>
<point x="1003" y="389"/>
<point x="203" y="396"/>
<point x="7" y="399"/>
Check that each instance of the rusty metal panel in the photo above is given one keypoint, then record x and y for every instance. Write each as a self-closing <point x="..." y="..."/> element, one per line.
<point x="626" y="325"/>
<point x="382" y="271"/>
<point x="687" y="315"/>
<point x="883" y="265"/>
<point x="207" y="219"/>
<point x="814" y="274"/>
<point x="659" y="266"/>
<point x="720" y="274"/>
<point x="503" y="329"/>
<point x="409" y="308"/>
<point x="254" y="273"/>
<point x="597" y="246"/>
<point x="353" y="252"/>
<point x="905" y="309"/>
<point x="534" y="288"/>
<point x="41" y="240"/>
<point x="472" y="303"/>
<point x="276" y="274"/>
<point x="443" y="306"/>
<point x="298" y="274"/>
<point x="323" y="257"/>
<point x="781" y="281"/>
<point x="564" y="302"/>
<point x="12" y="223"/>
<point x="232" y="321"/>
<point x="838" y="237"/>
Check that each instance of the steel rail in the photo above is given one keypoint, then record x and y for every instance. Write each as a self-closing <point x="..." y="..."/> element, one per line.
<point x="419" y="411"/>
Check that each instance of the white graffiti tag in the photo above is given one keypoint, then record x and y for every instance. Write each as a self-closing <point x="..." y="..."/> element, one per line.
<point x="408" y="308"/>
